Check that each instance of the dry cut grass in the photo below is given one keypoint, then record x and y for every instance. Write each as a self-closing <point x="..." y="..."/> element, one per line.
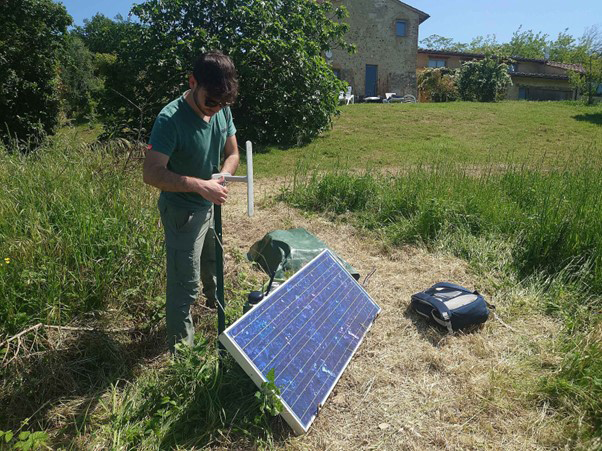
<point x="411" y="386"/>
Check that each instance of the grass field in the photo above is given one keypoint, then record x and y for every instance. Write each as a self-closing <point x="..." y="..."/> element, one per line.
<point x="529" y="217"/>
<point x="394" y="135"/>
<point x="513" y="188"/>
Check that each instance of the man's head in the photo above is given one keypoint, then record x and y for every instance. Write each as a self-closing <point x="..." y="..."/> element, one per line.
<point x="214" y="82"/>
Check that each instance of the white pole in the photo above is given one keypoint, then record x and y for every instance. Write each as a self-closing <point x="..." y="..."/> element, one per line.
<point x="248" y="179"/>
<point x="250" y="203"/>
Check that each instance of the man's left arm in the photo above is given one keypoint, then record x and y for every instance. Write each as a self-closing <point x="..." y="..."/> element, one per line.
<point x="231" y="155"/>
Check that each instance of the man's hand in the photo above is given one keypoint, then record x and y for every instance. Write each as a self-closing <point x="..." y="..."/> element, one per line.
<point x="213" y="190"/>
<point x="155" y="173"/>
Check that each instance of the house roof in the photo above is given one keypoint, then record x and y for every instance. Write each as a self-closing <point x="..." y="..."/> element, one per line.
<point x="421" y="14"/>
<point x="573" y="67"/>
<point x="538" y="75"/>
<point x="474" y="55"/>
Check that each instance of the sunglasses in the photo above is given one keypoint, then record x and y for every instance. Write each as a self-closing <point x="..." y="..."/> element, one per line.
<point x="211" y="103"/>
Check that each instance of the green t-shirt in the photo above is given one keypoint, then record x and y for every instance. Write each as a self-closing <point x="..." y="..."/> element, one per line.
<point x="194" y="147"/>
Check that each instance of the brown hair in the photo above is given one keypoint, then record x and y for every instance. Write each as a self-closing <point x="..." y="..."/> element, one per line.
<point x="215" y="72"/>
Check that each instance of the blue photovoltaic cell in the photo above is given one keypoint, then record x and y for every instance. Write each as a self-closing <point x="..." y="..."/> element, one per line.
<point x="307" y="331"/>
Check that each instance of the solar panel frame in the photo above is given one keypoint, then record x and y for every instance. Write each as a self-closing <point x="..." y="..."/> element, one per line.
<point x="256" y="375"/>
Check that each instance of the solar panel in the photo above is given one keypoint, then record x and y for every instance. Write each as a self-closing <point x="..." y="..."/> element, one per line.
<point x="307" y="330"/>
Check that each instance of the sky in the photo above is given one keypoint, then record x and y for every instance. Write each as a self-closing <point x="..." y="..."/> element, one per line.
<point x="461" y="20"/>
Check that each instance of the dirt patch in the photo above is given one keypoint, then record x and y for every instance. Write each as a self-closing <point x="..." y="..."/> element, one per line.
<point x="411" y="386"/>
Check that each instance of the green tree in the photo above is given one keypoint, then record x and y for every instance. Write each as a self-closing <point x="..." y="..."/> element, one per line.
<point x="103" y="35"/>
<point x="438" y="42"/>
<point x="78" y="84"/>
<point x="588" y="83"/>
<point x="484" y="44"/>
<point x="589" y="54"/>
<point x="480" y="44"/>
<point x="525" y="44"/>
<point x="483" y="81"/>
<point x="106" y="38"/>
<point x="565" y="49"/>
<point x="31" y="37"/>
<point x="288" y="93"/>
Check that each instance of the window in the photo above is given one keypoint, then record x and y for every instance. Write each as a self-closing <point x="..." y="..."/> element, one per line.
<point x="513" y="67"/>
<point x="437" y="62"/>
<point x="400" y="28"/>
<point x="337" y="73"/>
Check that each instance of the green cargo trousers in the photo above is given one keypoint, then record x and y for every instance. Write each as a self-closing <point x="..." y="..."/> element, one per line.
<point x="190" y="248"/>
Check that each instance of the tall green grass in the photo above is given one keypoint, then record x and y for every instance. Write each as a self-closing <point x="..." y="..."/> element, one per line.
<point x="538" y="227"/>
<point x="81" y="234"/>
<point x="554" y="217"/>
<point x="80" y="230"/>
<point x="195" y="402"/>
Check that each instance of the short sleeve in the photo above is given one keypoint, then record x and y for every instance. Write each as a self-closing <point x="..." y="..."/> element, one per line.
<point x="230" y="122"/>
<point x="163" y="135"/>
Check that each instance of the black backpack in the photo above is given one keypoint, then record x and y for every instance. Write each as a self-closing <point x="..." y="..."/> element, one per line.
<point x="451" y="306"/>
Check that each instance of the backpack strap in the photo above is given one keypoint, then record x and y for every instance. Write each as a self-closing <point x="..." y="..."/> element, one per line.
<point x="451" y="286"/>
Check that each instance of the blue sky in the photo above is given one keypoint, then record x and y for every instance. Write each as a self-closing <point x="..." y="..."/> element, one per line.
<point x="461" y="20"/>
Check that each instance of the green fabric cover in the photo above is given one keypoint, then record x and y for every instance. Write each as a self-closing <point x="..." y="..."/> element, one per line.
<point x="286" y="251"/>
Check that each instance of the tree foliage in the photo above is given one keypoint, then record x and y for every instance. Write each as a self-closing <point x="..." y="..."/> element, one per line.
<point x="288" y="93"/>
<point x="79" y="86"/>
<point x="485" y="80"/>
<point x="101" y="34"/>
<point x="589" y="83"/>
<point x="438" y="84"/>
<point x="31" y="37"/>
<point x="524" y="44"/>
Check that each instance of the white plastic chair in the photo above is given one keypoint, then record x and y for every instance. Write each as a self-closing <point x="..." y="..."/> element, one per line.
<point x="349" y="98"/>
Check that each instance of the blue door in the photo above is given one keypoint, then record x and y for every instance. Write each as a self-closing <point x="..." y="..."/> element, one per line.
<point x="371" y="79"/>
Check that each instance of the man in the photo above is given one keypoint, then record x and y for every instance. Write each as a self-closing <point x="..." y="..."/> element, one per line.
<point x="184" y="150"/>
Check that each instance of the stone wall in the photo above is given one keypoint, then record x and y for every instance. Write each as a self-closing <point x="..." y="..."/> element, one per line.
<point x="372" y="30"/>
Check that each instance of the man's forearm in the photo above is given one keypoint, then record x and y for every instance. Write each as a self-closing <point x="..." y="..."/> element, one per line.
<point x="166" y="180"/>
<point x="231" y="163"/>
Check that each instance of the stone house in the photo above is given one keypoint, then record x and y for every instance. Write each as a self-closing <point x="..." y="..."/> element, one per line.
<point x="385" y="33"/>
<point x="532" y="79"/>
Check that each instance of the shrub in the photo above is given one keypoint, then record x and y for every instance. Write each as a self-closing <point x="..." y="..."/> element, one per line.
<point x="288" y="93"/>
<point x="438" y="85"/>
<point x="483" y="81"/>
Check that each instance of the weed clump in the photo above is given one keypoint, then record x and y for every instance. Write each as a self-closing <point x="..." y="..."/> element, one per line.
<point x="195" y="401"/>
